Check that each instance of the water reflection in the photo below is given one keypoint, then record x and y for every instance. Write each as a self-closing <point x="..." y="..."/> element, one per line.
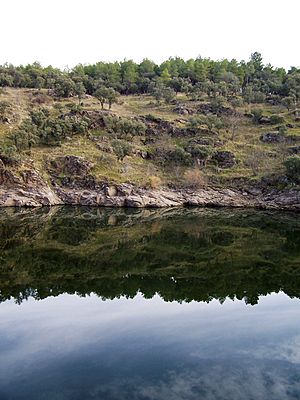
<point x="142" y="305"/>
<point x="182" y="255"/>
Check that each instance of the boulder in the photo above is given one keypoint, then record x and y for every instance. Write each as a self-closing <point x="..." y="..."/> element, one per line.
<point x="264" y="120"/>
<point x="183" y="110"/>
<point x="272" y="137"/>
<point x="111" y="191"/>
<point x="70" y="165"/>
<point x="294" y="150"/>
<point x="224" y="159"/>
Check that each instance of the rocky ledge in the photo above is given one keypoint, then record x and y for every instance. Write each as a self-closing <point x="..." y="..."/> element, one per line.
<point x="125" y="195"/>
<point x="23" y="186"/>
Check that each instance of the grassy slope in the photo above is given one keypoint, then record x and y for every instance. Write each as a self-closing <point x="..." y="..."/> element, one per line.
<point x="256" y="159"/>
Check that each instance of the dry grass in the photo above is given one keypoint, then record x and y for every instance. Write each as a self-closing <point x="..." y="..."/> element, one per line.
<point x="254" y="158"/>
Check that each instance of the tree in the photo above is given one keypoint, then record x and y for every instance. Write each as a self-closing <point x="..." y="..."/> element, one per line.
<point x="288" y="102"/>
<point x="129" y="76"/>
<point x="233" y="122"/>
<point x="101" y="95"/>
<point x="64" y="87"/>
<point x="165" y="76"/>
<point x="79" y="90"/>
<point x="200" y="152"/>
<point x="168" y="94"/>
<point x="111" y="96"/>
<point x="157" y="90"/>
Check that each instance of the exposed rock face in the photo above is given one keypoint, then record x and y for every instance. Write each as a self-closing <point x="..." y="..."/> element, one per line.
<point x="294" y="150"/>
<point x="225" y="159"/>
<point x="70" y="165"/>
<point x="129" y="196"/>
<point x="180" y="109"/>
<point x="208" y="108"/>
<point x="27" y="188"/>
<point x="276" y="137"/>
<point x="272" y="137"/>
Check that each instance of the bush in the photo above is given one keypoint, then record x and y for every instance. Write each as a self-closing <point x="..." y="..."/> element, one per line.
<point x="169" y="95"/>
<point x="236" y="102"/>
<point x="43" y="128"/>
<point x="180" y="157"/>
<point x="282" y="129"/>
<point x="256" y="115"/>
<point x="194" y="179"/>
<point x="276" y="119"/>
<point x="210" y="121"/>
<point x="5" y="110"/>
<point x="121" y="148"/>
<point x="124" y="128"/>
<point x="8" y="150"/>
<point x="217" y="103"/>
<point x="258" y="97"/>
<point x="200" y="151"/>
<point x="39" y="98"/>
<point x="292" y="165"/>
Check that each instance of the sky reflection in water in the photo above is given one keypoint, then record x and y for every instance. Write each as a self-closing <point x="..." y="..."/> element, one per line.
<point x="69" y="348"/>
<point x="126" y="342"/>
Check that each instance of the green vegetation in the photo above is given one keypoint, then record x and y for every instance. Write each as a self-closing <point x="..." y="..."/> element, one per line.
<point x="235" y="123"/>
<point x="292" y="165"/>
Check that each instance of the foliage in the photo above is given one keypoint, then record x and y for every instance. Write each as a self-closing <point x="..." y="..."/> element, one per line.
<point x="124" y="128"/>
<point x="256" y="115"/>
<point x="292" y="165"/>
<point x="210" y="122"/>
<point x="276" y="119"/>
<point x="200" y="151"/>
<point x="219" y="80"/>
<point x="179" y="156"/>
<point x="43" y="128"/>
<point x="121" y="148"/>
<point x="105" y="95"/>
<point x="5" y="108"/>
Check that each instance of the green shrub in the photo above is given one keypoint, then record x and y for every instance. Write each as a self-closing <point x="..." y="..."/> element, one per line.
<point x="276" y="119"/>
<point x="43" y="128"/>
<point x="292" y="165"/>
<point x="282" y="129"/>
<point x="211" y="122"/>
<point x="256" y="115"/>
<point x="121" y="148"/>
<point x="5" y="109"/>
<point x="124" y="128"/>
<point x="200" y="151"/>
<point x="179" y="156"/>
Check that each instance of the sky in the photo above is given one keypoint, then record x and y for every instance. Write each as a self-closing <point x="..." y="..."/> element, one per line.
<point x="64" y="33"/>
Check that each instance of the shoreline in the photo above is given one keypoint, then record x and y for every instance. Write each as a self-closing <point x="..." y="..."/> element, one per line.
<point x="126" y="195"/>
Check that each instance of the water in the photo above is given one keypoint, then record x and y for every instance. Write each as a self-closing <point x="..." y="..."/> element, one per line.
<point x="149" y="304"/>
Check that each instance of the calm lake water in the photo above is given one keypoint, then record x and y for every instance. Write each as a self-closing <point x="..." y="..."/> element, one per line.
<point x="149" y="304"/>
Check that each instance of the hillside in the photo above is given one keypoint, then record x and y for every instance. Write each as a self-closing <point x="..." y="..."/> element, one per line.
<point x="192" y="139"/>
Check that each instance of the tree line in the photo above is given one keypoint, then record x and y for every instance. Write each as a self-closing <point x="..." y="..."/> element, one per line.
<point x="252" y="79"/>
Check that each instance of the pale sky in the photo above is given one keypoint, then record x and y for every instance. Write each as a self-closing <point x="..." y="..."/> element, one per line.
<point x="67" y="32"/>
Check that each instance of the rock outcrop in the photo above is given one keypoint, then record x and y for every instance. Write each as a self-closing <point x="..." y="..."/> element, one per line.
<point x="24" y="186"/>
<point x="129" y="196"/>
